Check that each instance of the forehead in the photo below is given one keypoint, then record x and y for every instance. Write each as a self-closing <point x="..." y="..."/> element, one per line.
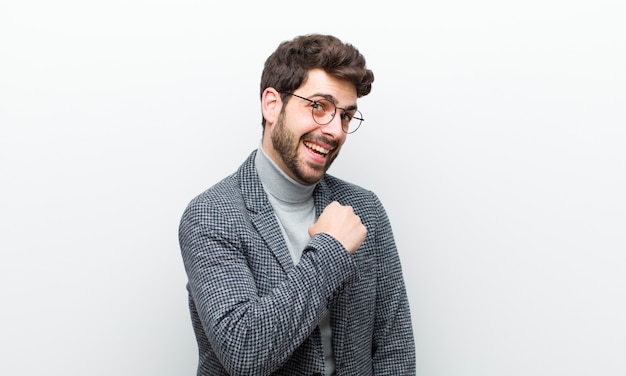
<point x="320" y="83"/>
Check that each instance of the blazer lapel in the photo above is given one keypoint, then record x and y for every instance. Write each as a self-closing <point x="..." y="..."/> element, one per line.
<point x="261" y="213"/>
<point x="321" y="197"/>
<point x="266" y="224"/>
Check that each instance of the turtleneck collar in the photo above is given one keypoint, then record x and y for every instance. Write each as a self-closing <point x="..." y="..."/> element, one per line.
<point x="277" y="183"/>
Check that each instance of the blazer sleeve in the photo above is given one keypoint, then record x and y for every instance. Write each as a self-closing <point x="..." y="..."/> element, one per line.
<point x="393" y="342"/>
<point x="250" y="333"/>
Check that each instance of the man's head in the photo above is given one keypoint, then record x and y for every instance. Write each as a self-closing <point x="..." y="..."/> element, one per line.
<point x="309" y="89"/>
<point x="288" y="67"/>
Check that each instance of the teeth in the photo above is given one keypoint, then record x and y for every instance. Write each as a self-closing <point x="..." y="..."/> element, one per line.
<point x="317" y="148"/>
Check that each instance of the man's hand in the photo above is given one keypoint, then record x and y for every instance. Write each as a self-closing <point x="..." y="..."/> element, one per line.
<point x="341" y="223"/>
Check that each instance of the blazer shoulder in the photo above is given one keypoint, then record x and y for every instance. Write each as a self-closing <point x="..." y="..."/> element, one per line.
<point x="342" y="190"/>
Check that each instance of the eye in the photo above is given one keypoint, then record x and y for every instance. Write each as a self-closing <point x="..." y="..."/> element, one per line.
<point x="322" y="107"/>
<point x="318" y="106"/>
<point x="347" y="116"/>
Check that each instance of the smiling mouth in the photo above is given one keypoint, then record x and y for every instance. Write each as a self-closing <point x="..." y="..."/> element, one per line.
<point x="317" y="149"/>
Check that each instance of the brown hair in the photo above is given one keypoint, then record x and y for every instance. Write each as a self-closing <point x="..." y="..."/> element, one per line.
<point x="287" y="68"/>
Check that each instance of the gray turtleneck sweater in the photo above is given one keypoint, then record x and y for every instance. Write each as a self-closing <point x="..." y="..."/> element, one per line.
<point x="293" y="205"/>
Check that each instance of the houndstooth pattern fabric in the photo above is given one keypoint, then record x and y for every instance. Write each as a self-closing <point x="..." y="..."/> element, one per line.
<point x="256" y="313"/>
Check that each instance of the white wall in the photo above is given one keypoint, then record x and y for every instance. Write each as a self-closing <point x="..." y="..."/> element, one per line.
<point x="495" y="137"/>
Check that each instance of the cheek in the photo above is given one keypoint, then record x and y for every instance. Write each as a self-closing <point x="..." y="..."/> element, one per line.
<point x="341" y="141"/>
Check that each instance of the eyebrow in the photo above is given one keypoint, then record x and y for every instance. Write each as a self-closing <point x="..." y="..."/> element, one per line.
<point x="332" y="99"/>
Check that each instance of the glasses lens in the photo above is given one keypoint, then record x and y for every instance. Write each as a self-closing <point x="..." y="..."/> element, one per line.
<point x="351" y="121"/>
<point x="323" y="111"/>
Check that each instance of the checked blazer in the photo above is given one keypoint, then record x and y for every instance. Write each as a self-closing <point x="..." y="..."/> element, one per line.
<point x="256" y="313"/>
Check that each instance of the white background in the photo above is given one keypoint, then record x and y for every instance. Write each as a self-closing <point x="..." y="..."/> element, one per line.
<point x="495" y="136"/>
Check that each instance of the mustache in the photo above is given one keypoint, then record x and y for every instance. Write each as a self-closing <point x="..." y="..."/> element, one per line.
<point x="320" y="139"/>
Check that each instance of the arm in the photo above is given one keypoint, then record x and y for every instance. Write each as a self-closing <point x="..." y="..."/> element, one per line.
<point x="253" y="334"/>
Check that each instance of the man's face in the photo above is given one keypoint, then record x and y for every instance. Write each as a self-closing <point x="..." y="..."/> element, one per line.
<point x="302" y="148"/>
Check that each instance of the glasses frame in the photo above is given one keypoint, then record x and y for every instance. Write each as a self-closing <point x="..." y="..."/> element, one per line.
<point x="357" y="115"/>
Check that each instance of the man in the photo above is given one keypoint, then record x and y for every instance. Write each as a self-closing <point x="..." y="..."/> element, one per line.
<point x="293" y="271"/>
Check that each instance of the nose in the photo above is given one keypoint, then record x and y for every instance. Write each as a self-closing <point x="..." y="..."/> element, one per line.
<point x="334" y="127"/>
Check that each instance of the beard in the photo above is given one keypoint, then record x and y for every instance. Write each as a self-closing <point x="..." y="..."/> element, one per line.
<point x="287" y="144"/>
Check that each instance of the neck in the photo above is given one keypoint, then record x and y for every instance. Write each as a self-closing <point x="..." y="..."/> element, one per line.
<point x="277" y="183"/>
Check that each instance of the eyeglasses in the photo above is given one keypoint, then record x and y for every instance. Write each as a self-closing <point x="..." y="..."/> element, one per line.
<point x="324" y="111"/>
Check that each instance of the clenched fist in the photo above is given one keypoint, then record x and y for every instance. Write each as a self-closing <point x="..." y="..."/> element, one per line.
<point x="341" y="223"/>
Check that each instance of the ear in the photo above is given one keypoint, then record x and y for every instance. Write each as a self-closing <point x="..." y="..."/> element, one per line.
<point x="271" y="105"/>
